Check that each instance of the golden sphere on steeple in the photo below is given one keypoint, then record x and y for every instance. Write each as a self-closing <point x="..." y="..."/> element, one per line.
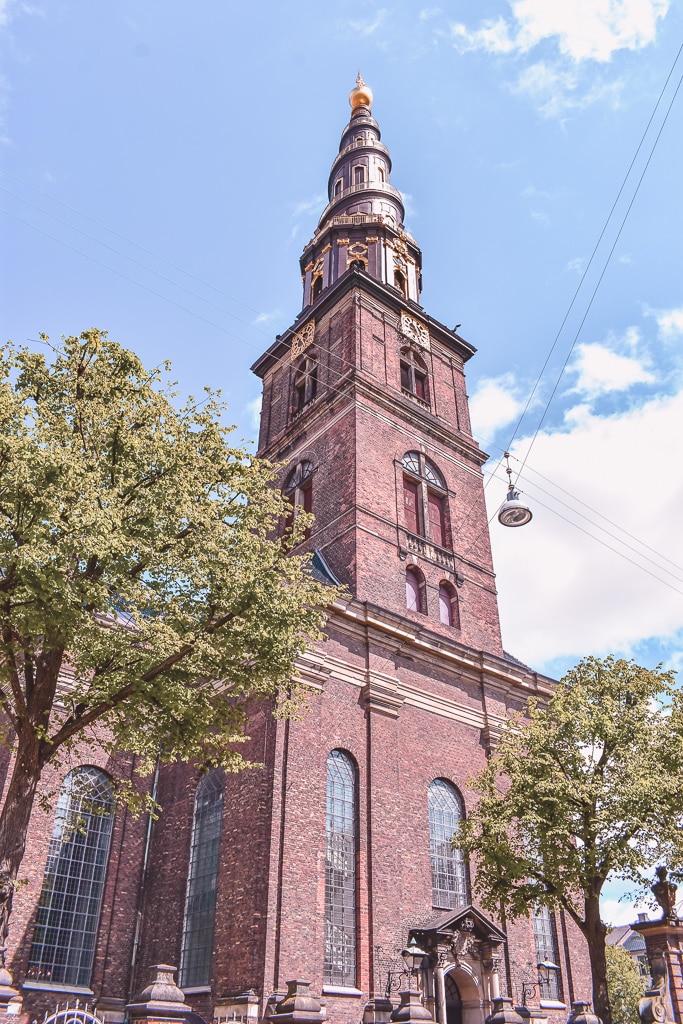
<point x="361" y="96"/>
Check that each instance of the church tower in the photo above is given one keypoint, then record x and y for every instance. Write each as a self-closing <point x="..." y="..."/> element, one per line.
<point x="334" y="850"/>
<point x="364" y="398"/>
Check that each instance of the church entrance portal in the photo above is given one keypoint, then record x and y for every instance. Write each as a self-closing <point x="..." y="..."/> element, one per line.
<point x="453" y="1001"/>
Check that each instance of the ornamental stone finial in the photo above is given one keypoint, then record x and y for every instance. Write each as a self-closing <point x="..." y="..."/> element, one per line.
<point x="665" y="894"/>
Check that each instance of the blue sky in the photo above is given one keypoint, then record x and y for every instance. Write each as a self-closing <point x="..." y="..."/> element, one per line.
<point x="164" y="164"/>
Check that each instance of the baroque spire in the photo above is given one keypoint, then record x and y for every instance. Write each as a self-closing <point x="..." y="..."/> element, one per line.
<point x="362" y="225"/>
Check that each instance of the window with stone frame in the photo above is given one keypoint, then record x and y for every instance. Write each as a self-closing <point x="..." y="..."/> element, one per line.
<point x="68" y="914"/>
<point x="547" y="951"/>
<point x="414" y="376"/>
<point x="305" y="382"/>
<point x="450" y="881"/>
<point x="424" y="499"/>
<point x="416" y="590"/>
<point x="341" y="843"/>
<point x="200" y="898"/>
<point x="298" y="490"/>
<point x="449" y="612"/>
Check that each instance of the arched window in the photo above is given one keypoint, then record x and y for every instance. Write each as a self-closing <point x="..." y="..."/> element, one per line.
<point x="200" y="899"/>
<point x="400" y="282"/>
<point x="414" y="375"/>
<point x="448" y="605"/>
<point x="70" y="903"/>
<point x="338" y="185"/>
<point x="545" y="940"/>
<point x="341" y="831"/>
<point x="380" y="175"/>
<point x="298" y="490"/>
<point x="305" y="381"/>
<point x="424" y="498"/>
<point x="450" y="886"/>
<point x="358" y="174"/>
<point x="316" y="287"/>
<point x="415" y="590"/>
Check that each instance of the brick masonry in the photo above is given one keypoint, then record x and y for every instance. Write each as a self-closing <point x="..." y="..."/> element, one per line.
<point x="407" y="697"/>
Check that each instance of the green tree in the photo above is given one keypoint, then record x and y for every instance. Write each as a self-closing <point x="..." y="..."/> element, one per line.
<point x="585" y="787"/>
<point x="138" y="550"/>
<point x="624" y="984"/>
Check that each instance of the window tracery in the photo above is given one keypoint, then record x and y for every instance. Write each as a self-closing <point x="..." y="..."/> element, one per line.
<point x="450" y="883"/>
<point x="341" y="832"/>
<point x="200" y="900"/>
<point x="68" y="915"/>
<point x="414" y="375"/>
<point x="305" y="381"/>
<point x="424" y="499"/>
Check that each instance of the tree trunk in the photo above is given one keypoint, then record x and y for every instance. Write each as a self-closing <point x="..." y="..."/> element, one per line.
<point x="14" y="820"/>
<point x="596" y="933"/>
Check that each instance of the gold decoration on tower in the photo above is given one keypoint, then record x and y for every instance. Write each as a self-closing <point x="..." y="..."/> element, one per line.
<point x="361" y="96"/>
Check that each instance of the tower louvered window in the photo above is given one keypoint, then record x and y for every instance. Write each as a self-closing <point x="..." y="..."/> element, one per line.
<point x="339" y="966"/>
<point x="450" y="886"/>
<point x="200" y="901"/>
<point x="70" y="903"/>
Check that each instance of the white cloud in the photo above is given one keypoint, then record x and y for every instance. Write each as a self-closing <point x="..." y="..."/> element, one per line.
<point x="557" y="90"/>
<point x="600" y="370"/>
<point x="540" y="217"/>
<point x="577" y="264"/>
<point x="582" y="29"/>
<point x="308" y="205"/>
<point x="267" y="319"/>
<point x="670" y="323"/>
<point x="367" y="28"/>
<point x="563" y="591"/>
<point x="494" y="405"/>
<point x="618" y="912"/>
<point x="254" y="410"/>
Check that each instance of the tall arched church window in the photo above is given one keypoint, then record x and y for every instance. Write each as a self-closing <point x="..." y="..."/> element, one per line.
<point x="70" y="903"/>
<point x="424" y="499"/>
<point x="200" y="899"/>
<point x="341" y="839"/>
<point x="414" y="375"/>
<point x="305" y="381"/>
<point x="450" y="887"/>
<point x="545" y="940"/>
<point x="380" y="175"/>
<point x="400" y="282"/>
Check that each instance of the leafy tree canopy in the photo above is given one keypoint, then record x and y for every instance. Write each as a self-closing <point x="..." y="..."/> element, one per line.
<point x="141" y="581"/>
<point x="584" y="787"/>
<point x="625" y="985"/>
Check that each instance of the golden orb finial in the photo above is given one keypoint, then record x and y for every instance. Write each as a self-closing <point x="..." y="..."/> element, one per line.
<point x="361" y="96"/>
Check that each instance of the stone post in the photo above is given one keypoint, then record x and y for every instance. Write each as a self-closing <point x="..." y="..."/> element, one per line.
<point x="581" y="1014"/>
<point x="299" y="1006"/>
<point x="10" y="998"/>
<point x="503" y="1012"/>
<point x="377" y="1010"/>
<point x="162" y="1002"/>
<point x="411" y="1008"/>
<point x="664" y="948"/>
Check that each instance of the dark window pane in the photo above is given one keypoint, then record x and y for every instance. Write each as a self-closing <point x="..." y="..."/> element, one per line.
<point x="200" y="900"/>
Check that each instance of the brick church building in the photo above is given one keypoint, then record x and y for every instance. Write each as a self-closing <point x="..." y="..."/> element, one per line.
<point x="326" y="861"/>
